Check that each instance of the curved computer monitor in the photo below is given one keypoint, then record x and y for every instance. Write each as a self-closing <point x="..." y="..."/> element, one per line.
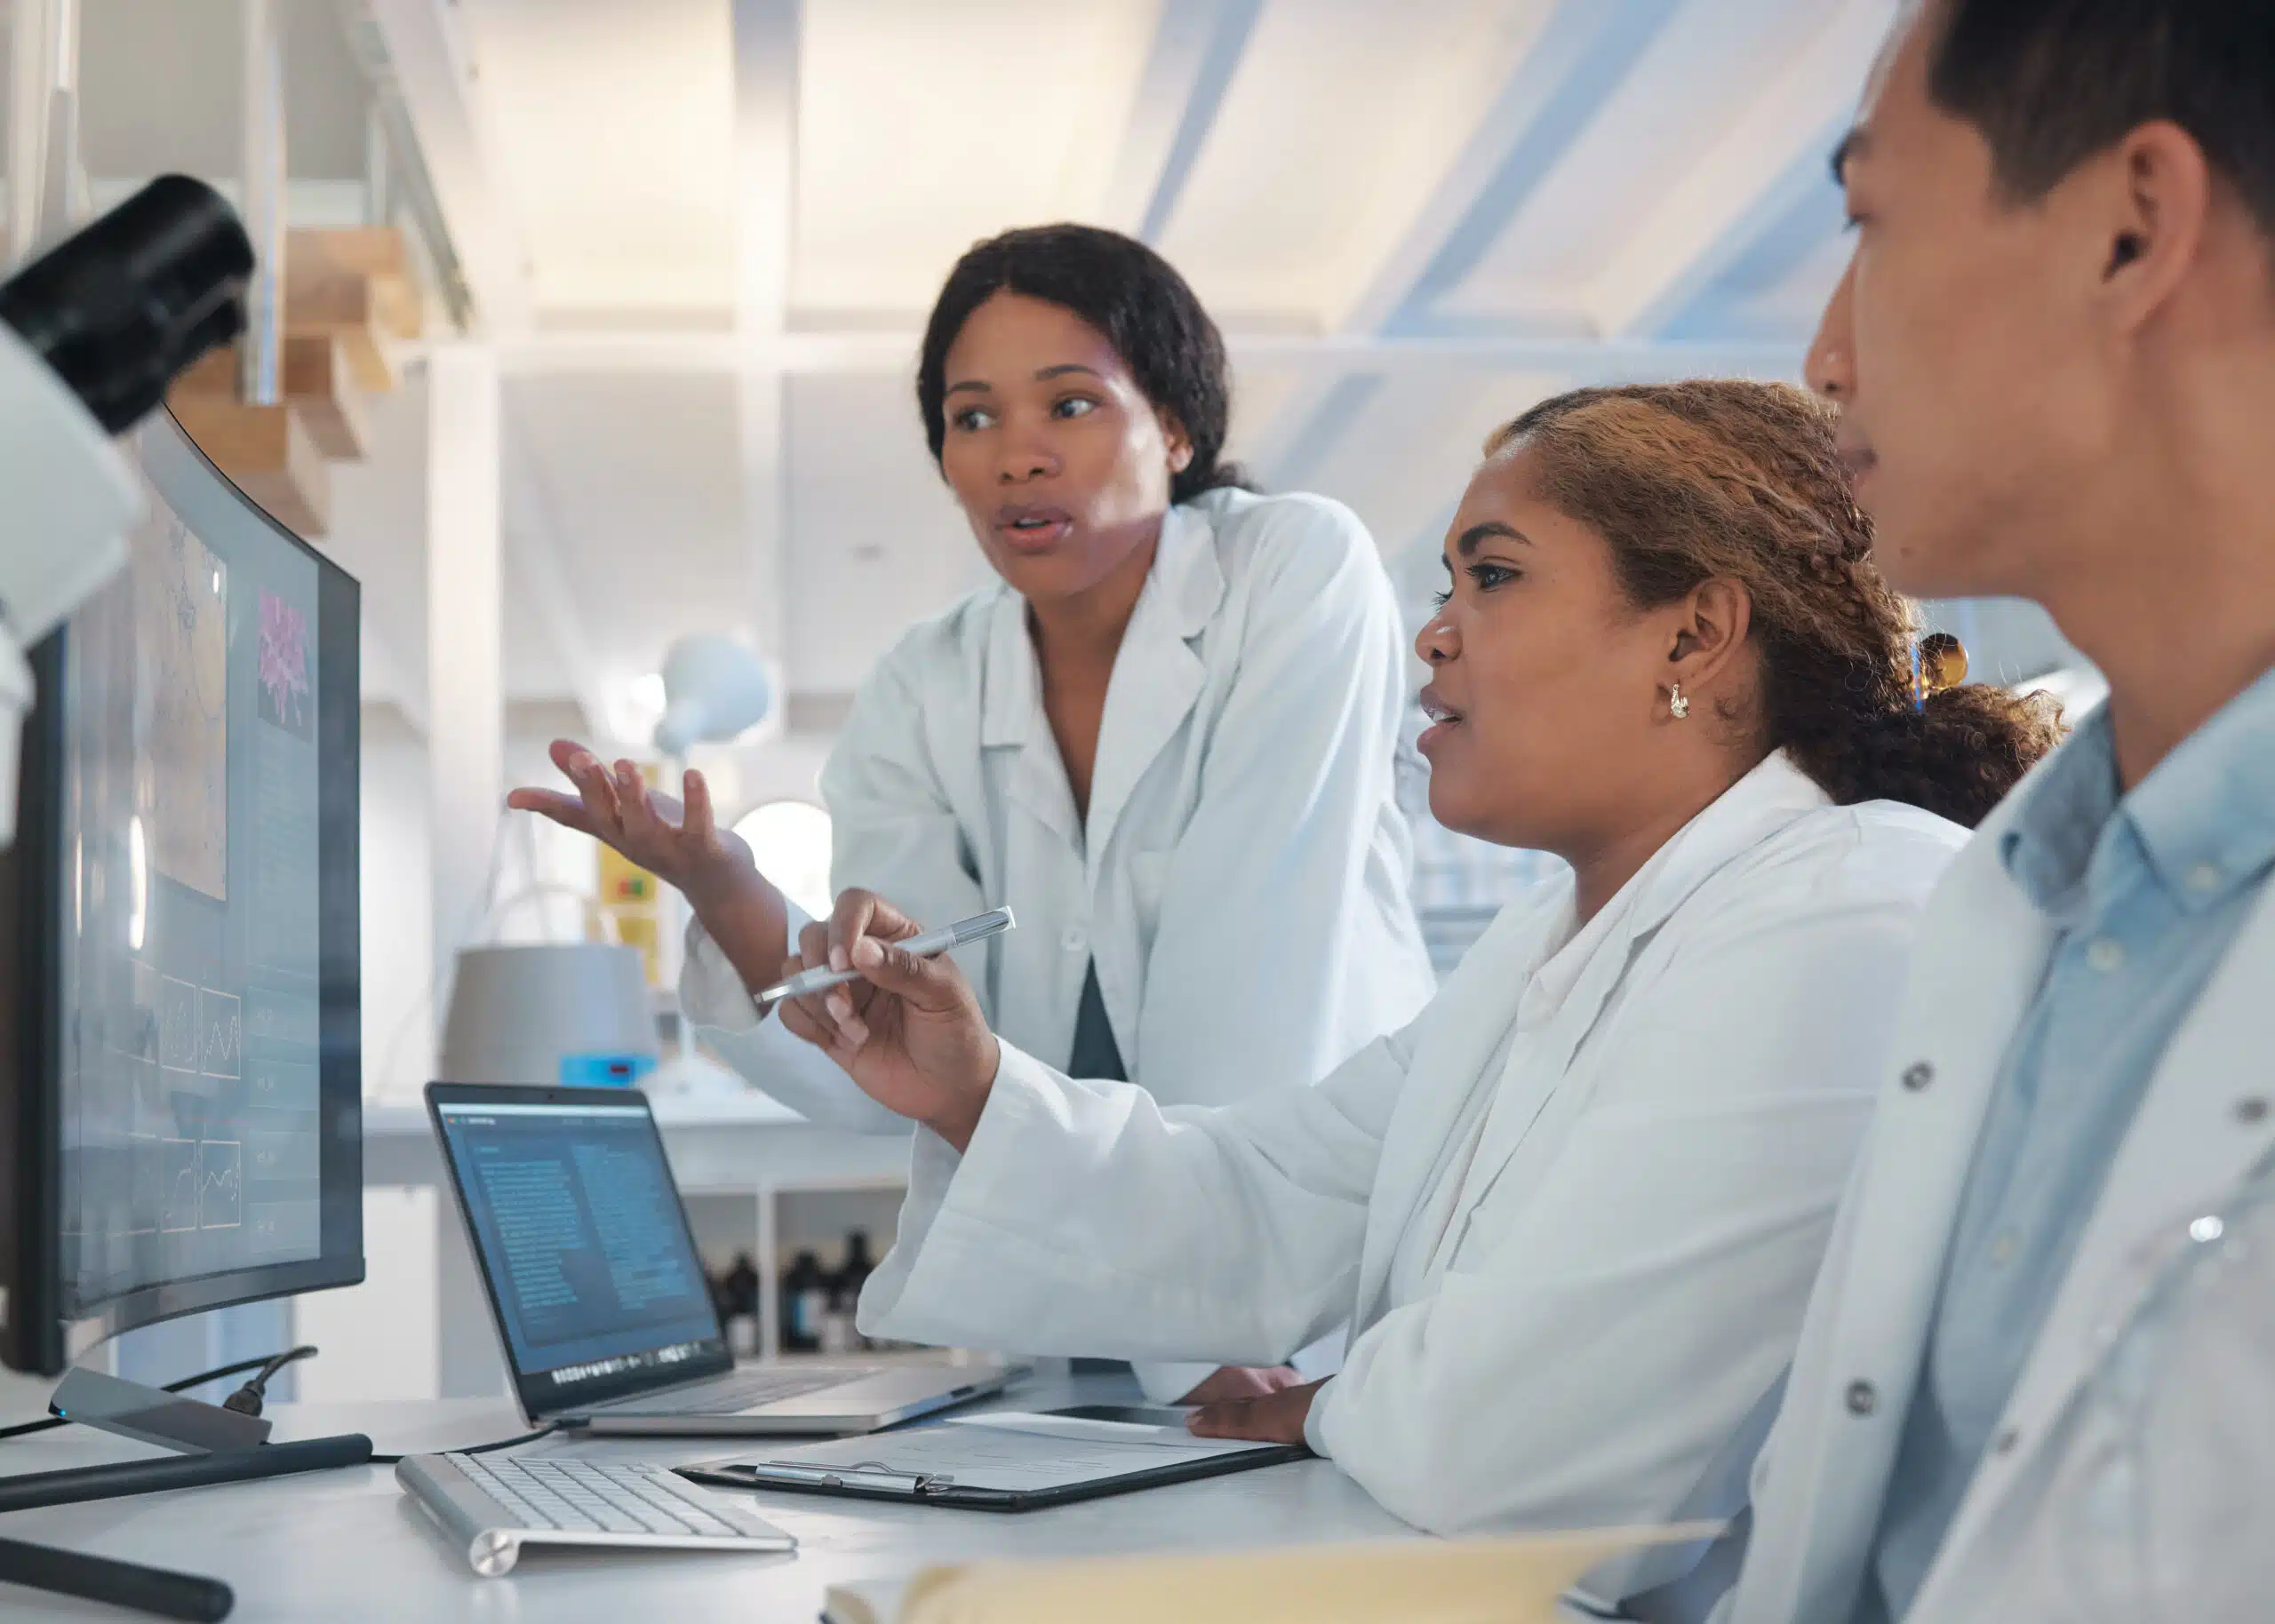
<point x="180" y="1116"/>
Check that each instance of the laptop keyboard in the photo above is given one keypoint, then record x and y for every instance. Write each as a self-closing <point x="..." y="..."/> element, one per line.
<point x="743" y="1390"/>
<point x="593" y="1497"/>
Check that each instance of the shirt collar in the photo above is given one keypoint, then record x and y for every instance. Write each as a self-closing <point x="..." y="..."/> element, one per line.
<point x="2205" y="814"/>
<point x="1183" y="592"/>
<point x="2047" y="846"/>
<point x="2203" y="819"/>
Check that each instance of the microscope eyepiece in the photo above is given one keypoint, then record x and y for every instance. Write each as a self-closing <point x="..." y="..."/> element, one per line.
<point x="121" y="309"/>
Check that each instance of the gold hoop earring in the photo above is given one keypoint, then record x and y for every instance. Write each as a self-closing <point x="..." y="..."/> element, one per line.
<point x="1678" y="707"/>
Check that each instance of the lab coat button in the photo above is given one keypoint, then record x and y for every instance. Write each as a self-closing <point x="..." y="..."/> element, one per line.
<point x="1862" y="1399"/>
<point x="1918" y="1075"/>
<point x="2006" y="1440"/>
<point x="1074" y="941"/>
<point x="2251" y="1109"/>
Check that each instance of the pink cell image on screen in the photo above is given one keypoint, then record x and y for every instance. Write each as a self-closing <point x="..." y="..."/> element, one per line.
<point x="284" y="673"/>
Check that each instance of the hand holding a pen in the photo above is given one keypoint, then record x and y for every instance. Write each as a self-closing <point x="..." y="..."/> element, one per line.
<point x="910" y="1031"/>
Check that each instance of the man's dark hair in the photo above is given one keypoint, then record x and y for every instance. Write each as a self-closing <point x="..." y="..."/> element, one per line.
<point x="1132" y="296"/>
<point x="2051" y="82"/>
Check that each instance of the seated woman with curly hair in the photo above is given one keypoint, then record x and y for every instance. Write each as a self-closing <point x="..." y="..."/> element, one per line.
<point x="1573" y="1210"/>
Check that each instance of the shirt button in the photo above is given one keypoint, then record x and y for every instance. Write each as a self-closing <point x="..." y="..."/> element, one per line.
<point x="1074" y="941"/>
<point x="2105" y="954"/>
<point x="1862" y="1400"/>
<point x="2003" y="1249"/>
<point x="2204" y="877"/>
<point x="2004" y="1444"/>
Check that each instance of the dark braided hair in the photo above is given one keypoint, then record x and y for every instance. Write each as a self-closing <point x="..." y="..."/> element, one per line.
<point x="1129" y="294"/>
<point x="1724" y="478"/>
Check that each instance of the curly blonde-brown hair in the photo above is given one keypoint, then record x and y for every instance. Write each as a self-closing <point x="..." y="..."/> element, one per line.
<point x="1742" y="481"/>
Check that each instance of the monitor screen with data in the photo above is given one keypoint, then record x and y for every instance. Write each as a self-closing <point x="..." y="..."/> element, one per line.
<point x="187" y="916"/>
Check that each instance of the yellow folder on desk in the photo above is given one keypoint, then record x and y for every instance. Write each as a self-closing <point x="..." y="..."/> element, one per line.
<point x="1410" y="1582"/>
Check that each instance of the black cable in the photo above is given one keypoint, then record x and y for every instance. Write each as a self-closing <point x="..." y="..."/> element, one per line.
<point x="247" y="1399"/>
<point x="268" y="1365"/>
<point x="477" y="1449"/>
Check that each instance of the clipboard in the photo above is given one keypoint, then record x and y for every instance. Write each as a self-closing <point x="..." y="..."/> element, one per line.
<point x="1017" y="1461"/>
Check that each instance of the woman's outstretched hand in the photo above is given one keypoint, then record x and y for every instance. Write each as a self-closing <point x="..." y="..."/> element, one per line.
<point x="681" y="844"/>
<point x="677" y="841"/>
<point x="910" y="1033"/>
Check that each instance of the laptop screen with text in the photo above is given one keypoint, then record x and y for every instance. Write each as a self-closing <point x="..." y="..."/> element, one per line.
<point x="583" y="1241"/>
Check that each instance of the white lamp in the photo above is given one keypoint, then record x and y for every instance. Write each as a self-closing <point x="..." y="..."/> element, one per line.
<point x="714" y="690"/>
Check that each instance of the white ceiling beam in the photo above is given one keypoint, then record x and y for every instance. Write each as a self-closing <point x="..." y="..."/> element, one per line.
<point x="1544" y="99"/>
<point x="1328" y="356"/>
<point x="1744" y="181"/>
<point x="435" y="70"/>
<point x="532" y="530"/>
<point x="766" y="34"/>
<point x="1197" y="47"/>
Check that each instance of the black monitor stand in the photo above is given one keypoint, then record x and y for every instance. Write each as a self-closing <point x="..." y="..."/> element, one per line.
<point x="214" y="1445"/>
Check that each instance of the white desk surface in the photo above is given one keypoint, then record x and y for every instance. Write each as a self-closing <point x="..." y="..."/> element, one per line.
<point x="346" y="1545"/>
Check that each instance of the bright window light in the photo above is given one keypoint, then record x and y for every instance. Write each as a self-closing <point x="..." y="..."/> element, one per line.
<point x="790" y="840"/>
<point x="138" y="874"/>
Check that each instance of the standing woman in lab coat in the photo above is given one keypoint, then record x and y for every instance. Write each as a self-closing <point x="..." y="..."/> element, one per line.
<point x="1164" y="738"/>
<point x="1573" y="1211"/>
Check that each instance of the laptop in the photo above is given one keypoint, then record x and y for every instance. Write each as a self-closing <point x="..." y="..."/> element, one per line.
<point x="599" y="1301"/>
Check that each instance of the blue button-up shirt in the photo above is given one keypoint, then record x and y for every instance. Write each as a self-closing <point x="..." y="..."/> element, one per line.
<point x="2144" y="895"/>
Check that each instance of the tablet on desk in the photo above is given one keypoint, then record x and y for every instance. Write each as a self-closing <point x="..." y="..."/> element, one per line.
<point x="1014" y="1462"/>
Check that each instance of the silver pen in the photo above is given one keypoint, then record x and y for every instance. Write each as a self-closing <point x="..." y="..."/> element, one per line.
<point x="978" y="928"/>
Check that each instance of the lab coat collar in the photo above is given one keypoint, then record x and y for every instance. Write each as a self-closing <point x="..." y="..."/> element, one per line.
<point x="1185" y="574"/>
<point x="1157" y="677"/>
<point x="1750" y="811"/>
<point x="1565" y="981"/>
<point x="1565" y="997"/>
<point x="1767" y="799"/>
<point x="1010" y="682"/>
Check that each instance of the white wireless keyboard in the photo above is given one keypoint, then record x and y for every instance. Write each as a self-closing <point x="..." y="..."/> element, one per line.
<point x="497" y="1506"/>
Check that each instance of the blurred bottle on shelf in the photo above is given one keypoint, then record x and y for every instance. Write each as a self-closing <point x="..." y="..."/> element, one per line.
<point x="737" y="1294"/>
<point x="839" y="1335"/>
<point x="805" y="1304"/>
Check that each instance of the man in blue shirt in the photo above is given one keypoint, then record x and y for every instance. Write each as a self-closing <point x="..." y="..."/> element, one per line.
<point x="2054" y="353"/>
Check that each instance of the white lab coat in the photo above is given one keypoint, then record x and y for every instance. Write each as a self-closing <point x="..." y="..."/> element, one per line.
<point x="1242" y="877"/>
<point x="1572" y="1211"/>
<point x="2209" y="1116"/>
